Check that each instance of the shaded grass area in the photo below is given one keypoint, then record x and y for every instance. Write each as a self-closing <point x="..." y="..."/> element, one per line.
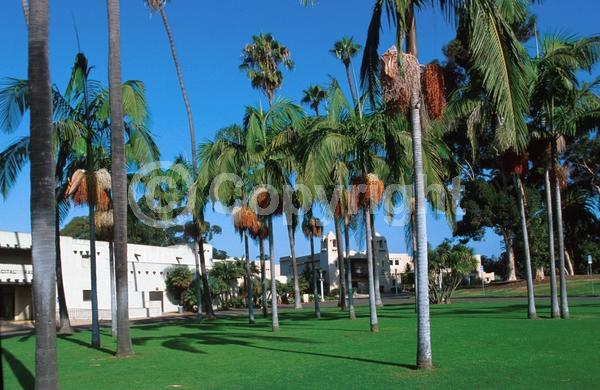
<point x="482" y="345"/>
<point x="580" y="287"/>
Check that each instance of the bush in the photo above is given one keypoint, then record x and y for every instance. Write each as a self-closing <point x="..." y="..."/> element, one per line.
<point x="453" y="263"/>
<point x="177" y="280"/>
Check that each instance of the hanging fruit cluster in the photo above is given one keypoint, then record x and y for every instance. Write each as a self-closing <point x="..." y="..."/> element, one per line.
<point x="434" y="94"/>
<point x="367" y="190"/>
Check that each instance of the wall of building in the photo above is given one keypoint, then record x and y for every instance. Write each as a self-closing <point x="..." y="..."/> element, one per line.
<point x="146" y="265"/>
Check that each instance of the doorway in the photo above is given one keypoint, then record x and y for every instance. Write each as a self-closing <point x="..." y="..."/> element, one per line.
<point x="7" y="297"/>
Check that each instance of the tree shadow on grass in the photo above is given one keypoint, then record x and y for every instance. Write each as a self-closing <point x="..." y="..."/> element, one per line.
<point x="328" y="355"/>
<point x="84" y="344"/>
<point x="181" y="344"/>
<point x="215" y="338"/>
<point x="184" y="341"/>
<point x="24" y="376"/>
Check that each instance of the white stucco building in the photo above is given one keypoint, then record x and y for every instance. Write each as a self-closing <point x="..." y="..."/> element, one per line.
<point x="327" y="259"/>
<point x="146" y="265"/>
<point x="391" y="265"/>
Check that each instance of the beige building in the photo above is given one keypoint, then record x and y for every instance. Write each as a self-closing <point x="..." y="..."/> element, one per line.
<point x="392" y="266"/>
<point x="326" y="259"/>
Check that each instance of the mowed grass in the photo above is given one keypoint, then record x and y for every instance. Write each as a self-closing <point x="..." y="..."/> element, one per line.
<point x="580" y="287"/>
<point x="475" y="345"/>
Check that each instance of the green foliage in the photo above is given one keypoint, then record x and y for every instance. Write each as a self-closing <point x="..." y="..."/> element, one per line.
<point x="345" y="49"/>
<point x="452" y="263"/>
<point x="177" y="280"/>
<point x="261" y="60"/>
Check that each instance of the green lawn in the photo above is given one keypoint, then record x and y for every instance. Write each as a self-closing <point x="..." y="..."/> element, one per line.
<point x="580" y="287"/>
<point x="481" y="345"/>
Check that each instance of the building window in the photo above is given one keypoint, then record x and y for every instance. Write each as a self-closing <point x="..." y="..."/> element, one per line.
<point x="334" y="243"/>
<point x="397" y="262"/>
<point x="391" y="262"/>
<point x="87" y="295"/>
<point x="155" y="295"/>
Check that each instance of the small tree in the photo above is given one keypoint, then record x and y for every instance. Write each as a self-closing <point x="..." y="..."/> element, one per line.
<point x="178" y="280"/>
<point x="448" y="265"/>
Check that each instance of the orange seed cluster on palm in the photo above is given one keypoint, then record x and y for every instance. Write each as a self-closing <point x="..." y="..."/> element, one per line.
<point x="434" y="94"/>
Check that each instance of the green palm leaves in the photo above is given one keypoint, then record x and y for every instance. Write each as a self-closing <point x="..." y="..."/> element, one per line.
<point x="345" y="49"/>
<point x="313" y="96"/>
<point x="261" y="60"/>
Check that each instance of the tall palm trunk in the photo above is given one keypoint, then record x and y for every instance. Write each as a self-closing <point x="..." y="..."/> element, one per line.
<point x="372" y="306"/>
<point x="297" y="296"/>
<point x="413" y="237"/>
<point x="91" y="189"/>
<point x="263" y="279"/>
<point x="192" y="131"/>
<point x="43" y="201"/>
<point x="570" y="269"/>
<point x="376" y="263"/>
<point x="351" y="312"/>
<point x="422" y="266"/>
<point x="350" y="82"/>
<point x="248" y="281"/>
<point x="314" y="277"/>
<point x="274" y="315"/>
<point x="341" y="267"/>
<point x="531" y="312"/>
<point x="510" y="252"/>
<point x="564" y="302"/>
<point x="554" y="310"/>
<point x="119" y="178"/>
<point x="424" y="360"/>
<point x="113" y="289"/>
<point x="64" y="326"/>
<point x="198" y="278"/>
<point x="208" y="307"/>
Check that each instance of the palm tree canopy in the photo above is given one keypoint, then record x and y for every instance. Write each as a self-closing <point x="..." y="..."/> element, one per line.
<point x="345" y="49"/>
<point x="496" y="54"/>
<point x="155" y="5"/>
<point x="313" y="96"/>
<point x="73" y="121"/>
<point x="261" y="60"/>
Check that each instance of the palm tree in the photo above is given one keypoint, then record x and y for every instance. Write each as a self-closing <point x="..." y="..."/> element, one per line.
<point x="245" y="220"/>
<point x="269" y="136"/>
<point x="312" y="228"/>
<point x="259" y="233"/>
<point x="560" y="105"/>
<point x="292" y="223"/>
<point x="345" y="49"/>
<point x="346" y="144"/>
<point x="70" y="130"/>
<point x="43" y="202"/>
<point x="313" y="96"/>
<point x="159" y="6"/>
<point x="228" y="154"/>
<point x="261" y="60"/>
<point x="497" y="56"/>
<point x="16" y="155"/>
<point x="119" y="178"/>
<point x="519" y="164"/>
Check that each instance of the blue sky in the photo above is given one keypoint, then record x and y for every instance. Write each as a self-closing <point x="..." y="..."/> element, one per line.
<point x="209" y="38"/>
